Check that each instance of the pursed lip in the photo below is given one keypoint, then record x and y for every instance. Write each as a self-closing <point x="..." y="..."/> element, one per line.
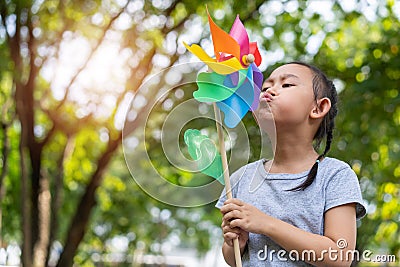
<point x="267" y="96"/>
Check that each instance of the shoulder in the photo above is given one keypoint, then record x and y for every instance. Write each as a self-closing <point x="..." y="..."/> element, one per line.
<point x="335" y="163"/>
<point x="332" y="167"/>
<point x="337" y="173"/>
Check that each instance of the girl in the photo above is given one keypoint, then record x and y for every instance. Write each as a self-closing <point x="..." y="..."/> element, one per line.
<point x="304" y="210"/>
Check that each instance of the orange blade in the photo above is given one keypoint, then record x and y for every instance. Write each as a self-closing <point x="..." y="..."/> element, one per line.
<point x="222" y="41"/>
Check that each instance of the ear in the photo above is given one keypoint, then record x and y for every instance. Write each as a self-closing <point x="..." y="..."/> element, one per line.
<point x="321" y="108"/>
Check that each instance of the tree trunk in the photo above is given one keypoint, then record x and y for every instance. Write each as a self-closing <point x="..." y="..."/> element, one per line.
<point x="5" y="151"/>
<point x="26" y="214"/>
<point x="35" y="188"/>
<point x="88" y="201"/>
<point x="44" y="200"/>
<point x="58" y="194"/>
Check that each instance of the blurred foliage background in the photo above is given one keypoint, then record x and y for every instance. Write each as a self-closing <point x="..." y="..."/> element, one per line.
<point x="69" y="70"/>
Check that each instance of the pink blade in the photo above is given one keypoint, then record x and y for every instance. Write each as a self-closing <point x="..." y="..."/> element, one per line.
<point x="239" y="33"/>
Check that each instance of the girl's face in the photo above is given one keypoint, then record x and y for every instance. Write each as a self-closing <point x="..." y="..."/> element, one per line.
<point x="287" y="97"/>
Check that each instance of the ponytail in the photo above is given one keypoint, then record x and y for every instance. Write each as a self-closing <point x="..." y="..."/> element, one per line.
<point x="322" y="87"/>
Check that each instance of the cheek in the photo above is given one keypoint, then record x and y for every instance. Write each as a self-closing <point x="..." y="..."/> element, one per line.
<point x="290" y="110"/>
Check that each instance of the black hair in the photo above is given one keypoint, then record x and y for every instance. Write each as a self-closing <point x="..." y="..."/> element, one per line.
<point x="322" y="87"/>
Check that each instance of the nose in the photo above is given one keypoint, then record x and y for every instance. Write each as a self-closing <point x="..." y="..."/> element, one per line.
<point x="268" y="94"/>
<point x="272" y="91"/>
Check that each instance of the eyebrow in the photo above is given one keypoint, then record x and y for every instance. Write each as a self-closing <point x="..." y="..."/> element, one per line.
<point x="282" y="77"/>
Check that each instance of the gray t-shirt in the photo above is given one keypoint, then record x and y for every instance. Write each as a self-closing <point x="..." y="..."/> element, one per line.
<point x="336" y="184"/>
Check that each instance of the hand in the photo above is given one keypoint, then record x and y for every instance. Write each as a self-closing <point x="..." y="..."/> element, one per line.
<point x="232" y="233"/>
<point x="238" y="214"/>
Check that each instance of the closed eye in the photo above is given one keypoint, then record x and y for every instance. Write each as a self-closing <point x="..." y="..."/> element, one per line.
<point x="265" y="89"/>
<point x="285" y="85"/>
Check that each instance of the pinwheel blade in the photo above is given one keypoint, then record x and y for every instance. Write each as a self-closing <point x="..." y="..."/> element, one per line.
<point x="239" y="33"/>
<point x="222" y="41"/>
<point x="214" y="87"/>
<point x="255" y="52"/>
<point x="225" y="67"/>
<point x="239" y="103"/>
<point x="256" y="86"/>
<point x="236" y="81"/>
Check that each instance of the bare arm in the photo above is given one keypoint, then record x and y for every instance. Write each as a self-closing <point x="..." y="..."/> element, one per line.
<point x="229" y="235"/>
<point x="229" y="254"/>
<point x="340" y="224"/>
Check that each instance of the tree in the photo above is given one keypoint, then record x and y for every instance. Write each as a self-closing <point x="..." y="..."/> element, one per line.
<point x="364" y="68"/>
<point x="65" y="147"/>
<point x="61" y="162"/>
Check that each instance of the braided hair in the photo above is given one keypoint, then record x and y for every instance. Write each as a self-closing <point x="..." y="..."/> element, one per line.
<point x="322" y="87"/>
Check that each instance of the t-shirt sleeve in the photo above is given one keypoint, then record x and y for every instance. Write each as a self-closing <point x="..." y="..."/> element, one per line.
<point x="221" y="199"/>
<point x="234" y="178"/>
<point x="344" y="188"/>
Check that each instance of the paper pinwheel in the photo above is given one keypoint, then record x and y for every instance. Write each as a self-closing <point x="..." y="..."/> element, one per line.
<point x="233" y="86"/>
<point x="236" y="81"/>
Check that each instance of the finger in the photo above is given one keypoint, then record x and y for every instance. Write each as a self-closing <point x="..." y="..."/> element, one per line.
<point x="235" y="214"/>
<point x="229" y="207"/>
<point x="226" y="208"/>
<point x="230" y="236"/>
<point x="224" y="222"/>
<point x="236" y="223"/>
<point x="228" y="229"/>
<point x="235" y="201"/>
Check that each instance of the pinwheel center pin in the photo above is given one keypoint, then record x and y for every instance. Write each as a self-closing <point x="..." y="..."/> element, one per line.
<point x="248" y="59"/>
